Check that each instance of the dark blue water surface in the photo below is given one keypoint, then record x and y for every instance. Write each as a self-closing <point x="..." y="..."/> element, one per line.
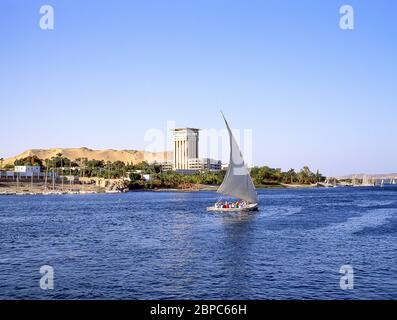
<point x="163" y="245"/>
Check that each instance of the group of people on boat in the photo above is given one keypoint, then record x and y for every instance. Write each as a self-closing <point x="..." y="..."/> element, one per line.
<point x="228" y="205"/>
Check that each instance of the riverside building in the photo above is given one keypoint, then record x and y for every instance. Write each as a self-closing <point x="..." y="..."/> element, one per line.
<point x="184" y="147"/>
<point x="185" y="151"/>
<point x="205" y="164"/>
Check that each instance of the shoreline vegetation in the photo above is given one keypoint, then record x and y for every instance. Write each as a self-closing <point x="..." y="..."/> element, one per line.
<point x="98" y="176"/>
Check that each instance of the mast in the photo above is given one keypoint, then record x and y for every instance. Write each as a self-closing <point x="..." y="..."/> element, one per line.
<point x="70" y="175"/>
<point x="46" y="175"/>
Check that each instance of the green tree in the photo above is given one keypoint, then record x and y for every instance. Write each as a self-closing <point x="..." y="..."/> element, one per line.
<point x="29" y="161"/>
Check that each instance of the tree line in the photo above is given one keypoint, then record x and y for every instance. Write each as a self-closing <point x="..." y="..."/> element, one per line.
<point x="83" y="167"/>
<point x="265" y="176"/>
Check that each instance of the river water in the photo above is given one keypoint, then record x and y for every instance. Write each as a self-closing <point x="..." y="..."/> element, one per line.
<point x="164" y="245"/>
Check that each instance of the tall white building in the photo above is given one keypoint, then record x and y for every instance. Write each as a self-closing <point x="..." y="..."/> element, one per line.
<point x="184" y="147"/>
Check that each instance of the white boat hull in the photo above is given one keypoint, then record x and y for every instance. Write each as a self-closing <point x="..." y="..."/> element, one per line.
<point x="250" y="207"/>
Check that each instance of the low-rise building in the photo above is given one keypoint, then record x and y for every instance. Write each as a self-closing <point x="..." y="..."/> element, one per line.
<point x="194" y="165"/>
<point x="166" y="166"/>
<point x="28" y="170"/>
<point x="202" y="164"/>
<point x="7" y="174"/>
<point x="72" y="178"/>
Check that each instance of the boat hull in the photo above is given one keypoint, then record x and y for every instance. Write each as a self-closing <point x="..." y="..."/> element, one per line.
<point x="250" y="207"/>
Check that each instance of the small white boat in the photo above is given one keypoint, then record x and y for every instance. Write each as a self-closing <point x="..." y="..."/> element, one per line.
<point x="87" y="192"/>
<point x="112" y="191"/>
<point x="237" y="182"/>
<point x="53" y="193"/>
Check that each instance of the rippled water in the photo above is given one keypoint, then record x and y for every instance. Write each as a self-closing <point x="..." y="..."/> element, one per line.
<point x="153" y="245"/>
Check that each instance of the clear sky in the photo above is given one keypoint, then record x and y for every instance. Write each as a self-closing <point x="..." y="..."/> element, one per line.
<point x="111" y="70"/>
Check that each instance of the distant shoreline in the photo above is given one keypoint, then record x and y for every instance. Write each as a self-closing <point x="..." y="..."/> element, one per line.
<point x="10" y="188"/>
<point x="215" y="187"/>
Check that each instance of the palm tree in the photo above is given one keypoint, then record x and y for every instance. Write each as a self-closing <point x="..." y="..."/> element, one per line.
<point x="46" y="175"/>
<point x="60" y="156"/>
<point x="84" y="162"/>
<point x="290" y="175"/>
<point x="318" y="176"/>
<point x="109" y="168"/>
<point x="53" y="172"/>
<point x="70" y="175"/>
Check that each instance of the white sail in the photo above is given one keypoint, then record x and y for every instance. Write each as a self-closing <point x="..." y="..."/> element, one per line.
<point x="237" y="182"/>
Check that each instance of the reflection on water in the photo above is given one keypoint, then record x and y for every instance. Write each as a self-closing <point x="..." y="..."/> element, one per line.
<point x="163" y="245"/>
<point x="235" y="217"/>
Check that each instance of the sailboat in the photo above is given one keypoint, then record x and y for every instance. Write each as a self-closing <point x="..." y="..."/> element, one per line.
<point x="237" y="182"/>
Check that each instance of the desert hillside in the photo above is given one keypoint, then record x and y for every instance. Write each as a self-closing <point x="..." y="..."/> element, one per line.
<point x="133" y="156"/>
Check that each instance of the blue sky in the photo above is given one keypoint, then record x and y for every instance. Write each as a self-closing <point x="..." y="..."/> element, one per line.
<point x="311" y="93"/>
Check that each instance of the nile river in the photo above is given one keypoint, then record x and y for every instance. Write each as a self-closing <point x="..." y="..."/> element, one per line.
<point x="163" y="245"/>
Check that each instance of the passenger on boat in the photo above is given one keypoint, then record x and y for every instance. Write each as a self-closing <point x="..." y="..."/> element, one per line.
<point x="232" y="205"/>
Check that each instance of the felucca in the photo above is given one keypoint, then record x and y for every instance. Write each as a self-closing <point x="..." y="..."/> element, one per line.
<point x="237" y="182"/>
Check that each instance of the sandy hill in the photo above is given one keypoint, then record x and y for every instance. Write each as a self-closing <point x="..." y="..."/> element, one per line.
<point x="133" y="156"/>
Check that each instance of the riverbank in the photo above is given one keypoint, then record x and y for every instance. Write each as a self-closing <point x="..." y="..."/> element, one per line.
<point x="285" y="186"/>
<point x="10" y="188"/>
<point x="215" y="187"/>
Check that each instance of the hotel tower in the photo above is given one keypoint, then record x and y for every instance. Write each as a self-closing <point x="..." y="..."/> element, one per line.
<point x="185" y="147"/>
